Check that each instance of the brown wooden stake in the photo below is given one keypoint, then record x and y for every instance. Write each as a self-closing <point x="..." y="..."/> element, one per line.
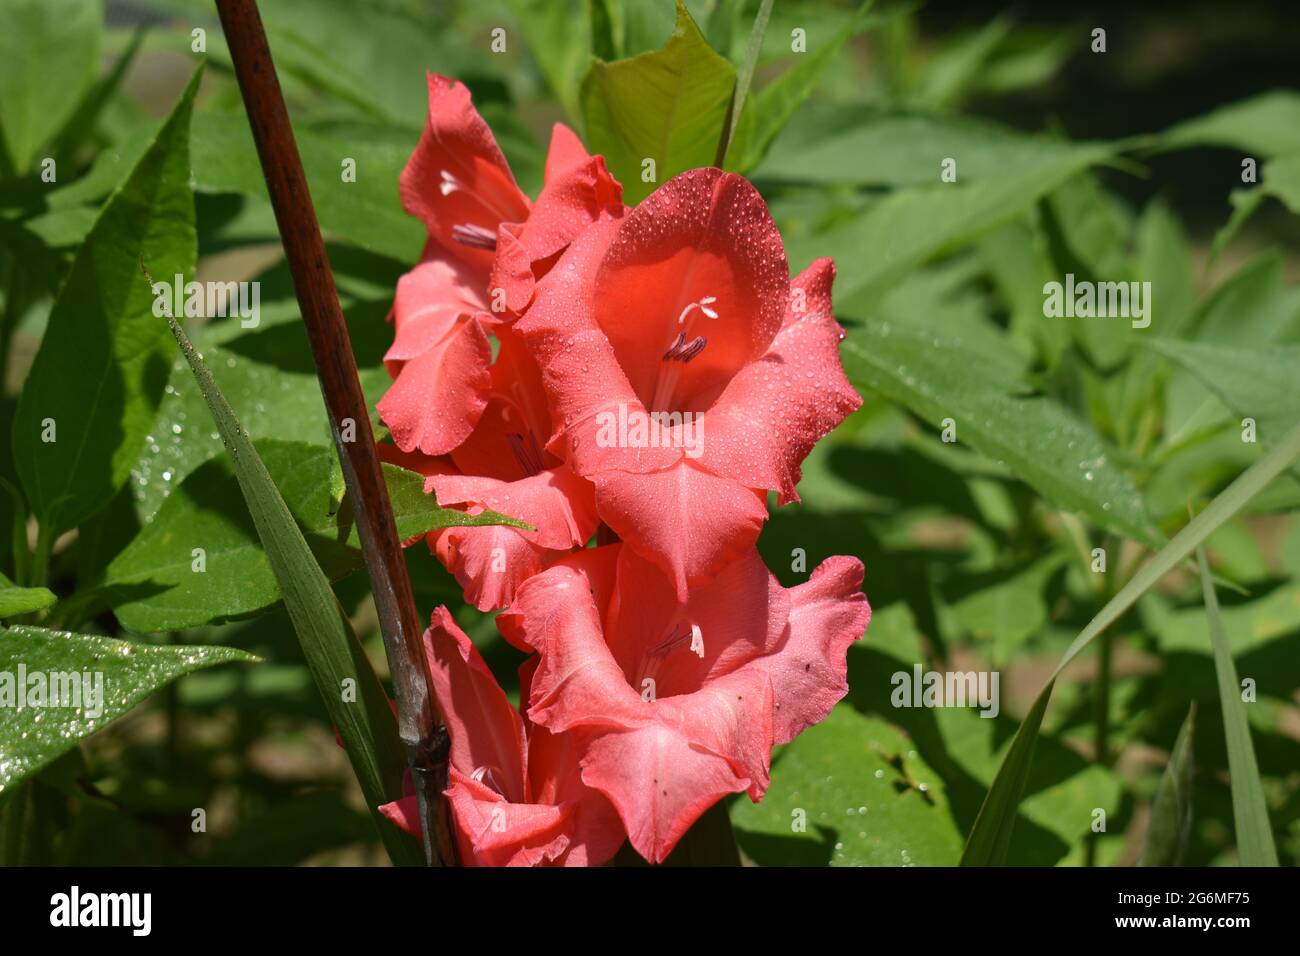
<point x="419" y="720"/>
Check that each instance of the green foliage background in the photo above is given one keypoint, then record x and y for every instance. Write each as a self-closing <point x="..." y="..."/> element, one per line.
<point x="1072" y="435"/>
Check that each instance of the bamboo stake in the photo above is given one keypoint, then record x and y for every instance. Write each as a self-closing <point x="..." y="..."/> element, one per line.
<point x="420" y="722"/>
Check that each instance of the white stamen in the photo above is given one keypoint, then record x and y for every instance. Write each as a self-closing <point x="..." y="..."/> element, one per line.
<point x="703" y="305"/>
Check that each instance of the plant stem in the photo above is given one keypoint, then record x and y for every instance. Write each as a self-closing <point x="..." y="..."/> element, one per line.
<point x="39" y="570"/>
<point x="1101" y="699"/>
<point x="8" y="319"/>
<point x="419" y="719"/>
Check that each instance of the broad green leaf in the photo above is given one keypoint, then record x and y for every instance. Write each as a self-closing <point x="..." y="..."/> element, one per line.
<point x="99" y="375"/>
<point x="1006" y="609"/>
<point x="269" y="374"/>
<point x="382" y="67"/>
<point x="1047" y="447"/>
<point x="559" y="35"/>
<point x="15" y="600"/>
<point x="83" y="124"/>
<point x="668" y="106"/>
<point x="335" y="657"/>
<point x="366" y="213"/>
<point x="49" y="52"/>
<point x="1264" y="126"/>
<point x="1027" y="58"/>
<point x="952" y="72"/>
<point x="1262" y="624"/>
<point x="859" y="145"/>
<point x="1249" y="812"/>
<point x="1171" y="811"/>
<point x="1258" y="383"/>
<point x="109" y="678"/>
<point x="906" y="228"/>
<point x="763" y="115"/>
<point x="846" y="793"/>
<point x="1280" y="179"/>
<point x="990" y="837"/>
<point x="153" y="584"/>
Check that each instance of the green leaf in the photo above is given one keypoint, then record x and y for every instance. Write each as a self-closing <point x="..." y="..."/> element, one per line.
<point x="153" y="586"/>
<point x="102" y="365"/>
<point x="267" y="372"/>
<point x="335" y="657"/>
<point x="367" y="213"/>
<point x="953" y="71"/>
<point x="1006" y="609"/>
<point x="990" y="837"/>
<point x="1258" y="383"/>
<point x="1048" y="448"/>
<point x="906" y="228"/>
<point x="559" y="34"/>
<point x="1264" y="126"/>
<point x="1280" y="179"/>
<point x="49" y="52"/>
<point x="32" y="736"/>
<point x="15" y="600"/>
<point x="668" y="106"/>
<point x="859" y="145"/>
<point x="1171" y="811"/>
<point x="1249" y="812"/>
<point x="845" y="793"/>
<point x="763" y="115"/>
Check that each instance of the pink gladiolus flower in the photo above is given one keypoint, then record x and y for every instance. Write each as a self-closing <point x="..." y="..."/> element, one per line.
<point x="477" y="428"/>
<point x="657" y="370"/>
<point x="516" y="794"/>
<point x="685" y="307"/>
<point x="458" y="182"/>
<point x="678" y="703"/>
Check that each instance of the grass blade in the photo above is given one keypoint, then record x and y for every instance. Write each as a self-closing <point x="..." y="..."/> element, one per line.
<point x="1249" y="813"/>
<point x="744" y="78"/>
<point x="1171" y="811"/>
<point x="335" y="657"/>
<point x="990" y="837"/>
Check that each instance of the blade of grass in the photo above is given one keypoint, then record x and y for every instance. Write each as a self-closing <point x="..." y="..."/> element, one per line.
<point x="1249" y="813"/>
<point x="353" y="695"/>
<point x="1171" y="811"/>
<point x="744" y="77"/>
<point x="990" y="837"/>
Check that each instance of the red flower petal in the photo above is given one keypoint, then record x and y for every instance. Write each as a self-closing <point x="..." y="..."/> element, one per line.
<point x="703" y="240"/>
<point x="496" y="832"/>
<point x="457" y="176"/>
<point x="487" y="733"/>
<point x="686" y="520"/>
<point x="439" y="358"/>
<point x="827" y="614"/>
<point x="579" y="189"/>
<point x="776" y="409"/>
